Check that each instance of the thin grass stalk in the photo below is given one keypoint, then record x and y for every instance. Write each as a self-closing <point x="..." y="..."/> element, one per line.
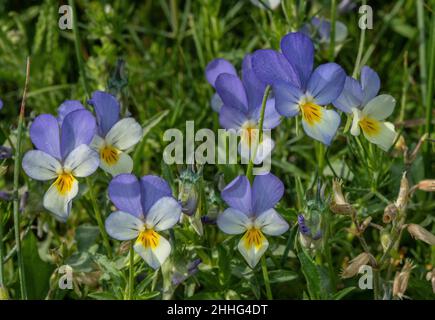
<point x="99" y="219"/>
<point x="421" y="50"/>
<point x="332" y="34"/>
<point x="77" y="49"/>
<point x="429" y="99"/>
<point x="16" y="202"/>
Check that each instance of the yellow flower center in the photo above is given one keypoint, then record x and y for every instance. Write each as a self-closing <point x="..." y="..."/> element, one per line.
<point x="148" y="238"/>
<point x="370" y="126"/>
<point x="311" y="112"/>
<point x="110" y="155"/>
<point x="253" y="237"/>
<point x="64" y="182"/>
<point x="249" y="132"/>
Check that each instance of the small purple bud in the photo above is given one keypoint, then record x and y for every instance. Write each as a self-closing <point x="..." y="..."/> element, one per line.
<point x="23" y="200"/>
<point x="5" y="196"/>
<point x="208" y="220"/>
<point x="5" y="152"/>
<point x="1" y="104"/>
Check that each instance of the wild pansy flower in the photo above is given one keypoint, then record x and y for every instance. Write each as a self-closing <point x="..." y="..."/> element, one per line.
<point x="145" y="208"/>
<point x="251" y="212"/>
<point x="114" y="136"/>
<point x="242" y="100"/>
<point x="300" y="90"/>
<point x="368" y="109"/>
<point x="212" y="71"/>
<point x="1" y="104"/>
<point x="62" y="154"/>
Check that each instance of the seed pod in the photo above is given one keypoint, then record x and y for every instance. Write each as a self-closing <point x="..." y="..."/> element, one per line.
<point x="356" y="263"/>
<point x="420" y="233"/>
<point x="427" y="185"/>
<point x="339" y="205"/>
<point x="385" y="240"/>
<point x="402" y="198"/>
<point x="430" y="276"/>
<point x="401" y="279"/>
<point x="365" y="224"/>
<point x="417" y="148"/>
<point x="390" y="213"/>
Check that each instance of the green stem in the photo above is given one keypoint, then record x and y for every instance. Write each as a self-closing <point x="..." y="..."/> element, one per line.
<point x="429" y="99"/>
<point x="260" y="127"/>
<point x="332" y="34"/>
<point x="1" y="251"/>
<point x="421" y="49"/>
<point x="99" y="219"/>
<point x="131" y="274"/>
<point x="266" y="278"/>
<point x="360" y="49"/>
<point x="16" y="205"/>
<point x="77" y="48"/>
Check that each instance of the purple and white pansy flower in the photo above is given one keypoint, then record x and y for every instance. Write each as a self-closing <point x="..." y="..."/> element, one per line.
<point x="299" y="89"/>
<point x="62" y="154"/>
<point x="145" y="208"/>
<point x="212" y="71"/>
<point x="369" y="109"/>
<point x="241" y="107"/>
<point x="115" y="136"/>
<point x="251" y="212"/>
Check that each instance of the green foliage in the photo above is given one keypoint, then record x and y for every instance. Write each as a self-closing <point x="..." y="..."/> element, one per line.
<point x="152" y="56"/>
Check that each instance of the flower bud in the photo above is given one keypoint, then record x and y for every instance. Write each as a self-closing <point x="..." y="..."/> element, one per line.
<point x="5" y="152"/>
<point x="307" y="238"/>
<point x="188" y="197"/>
<point x="401" y="280"/>
<point x="188" y="193"/>
<point x="356" y="263"/>
<point x="420" y="233"/>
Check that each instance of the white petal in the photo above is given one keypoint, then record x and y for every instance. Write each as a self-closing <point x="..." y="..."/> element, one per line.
<point x="271" y="223"/>
<point x="355" y="130"/>
<point x="124" y="134"/>
<point x="385" y="137"/>
<point x="233" y="221"/>
<point x="40" y="165"/>
<point x="97" y="143"/>
<point x="60" y="204"/>
<point x="252" y="253"/>
<point x="380" y="107"/>
<point x="82" y="161"/>
<point x="323" y="129"/>
<point x="123" y="226"/>
<point x="164" y="214"/>
<point x="123" y="165"/>
<point x="154" y="256"/>
<point x="264" y="150"/>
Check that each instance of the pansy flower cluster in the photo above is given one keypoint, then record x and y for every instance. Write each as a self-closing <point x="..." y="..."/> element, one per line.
<point x="75" y="143"/>
<point x="298" y="90"/>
